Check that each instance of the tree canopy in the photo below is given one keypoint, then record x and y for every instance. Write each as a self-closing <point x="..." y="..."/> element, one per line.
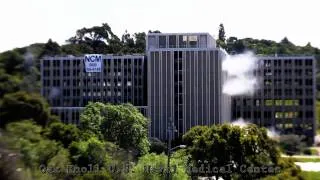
<point x="122" y="124"/>
<point x="232" y="148"/>
<point x="21" y="105"/>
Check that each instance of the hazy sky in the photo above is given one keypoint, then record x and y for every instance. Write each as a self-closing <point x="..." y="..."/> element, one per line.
<point x="28" y="21"/>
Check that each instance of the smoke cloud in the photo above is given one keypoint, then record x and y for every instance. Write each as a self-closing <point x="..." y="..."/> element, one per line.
<point x="240" y="122"/>
<point x="54" y="92"/>
<point x="271" y="132"/>
<point x="240" y="79"/>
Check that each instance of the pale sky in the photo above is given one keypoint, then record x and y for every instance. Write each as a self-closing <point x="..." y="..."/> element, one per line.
<point x="24" y="22"/>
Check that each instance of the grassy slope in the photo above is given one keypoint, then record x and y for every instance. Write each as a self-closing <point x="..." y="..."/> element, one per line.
<point x="310" y="175"/>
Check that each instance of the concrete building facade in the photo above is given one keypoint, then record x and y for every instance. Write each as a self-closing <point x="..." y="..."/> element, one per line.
<point x="69" y="88"/>
<point x="184" y="82"/>
<point x="285" y="97"/>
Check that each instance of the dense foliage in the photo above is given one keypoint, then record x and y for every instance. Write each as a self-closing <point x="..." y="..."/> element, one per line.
<point x="233" y="150"/>
<point x="123" y="124"/>
<point x="21" y="105"/>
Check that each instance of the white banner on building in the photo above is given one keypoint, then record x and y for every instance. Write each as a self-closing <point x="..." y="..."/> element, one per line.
<point x="93" y="62"/>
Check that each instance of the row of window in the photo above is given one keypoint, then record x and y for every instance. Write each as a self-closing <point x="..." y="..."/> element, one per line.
<point x="273" y="102"/>
<point x="276" y="115"/>
<point x="77" y="103"/>
<point x="108" y="83"/>
<point x="285" y="92"/>
<point x="116" y="72"/>
<point x="181" y="41"/>
<point x="287" y="62"/>
<point x="290" y="125"/>
<point x="67" y="62"/>
<point x="269" y="82"/>
<point x="287" y="72"/>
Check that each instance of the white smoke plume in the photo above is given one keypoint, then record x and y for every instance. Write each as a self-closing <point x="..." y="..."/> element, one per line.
<point x="54" y="92"/>
<point x="271" y="132"/>
<point x="240" y="122"/>
<point x="240" y="79"/>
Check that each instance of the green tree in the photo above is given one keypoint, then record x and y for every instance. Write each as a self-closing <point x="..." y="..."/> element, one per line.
<point x="63" y="133"/>
<point x="128" y="43"/>
<point x="8" y="83"/>
<point x="193" y="134"/>
<point x="221" y="41"/>
<point x="154" y="167"/>
<point x="140" y="42"/>
<point x="11" y="62"/>
<point x="51" y="48"/>
<point x="60" y="161"/>
<point x="25" y="138"/>
<point x="222" y="33"/>
<point x="21" y="105"/>
<point x="292" y="144"/>
<point x="232" y="147"/>
<point x="91" y="118"/>
<point x="157" y="146"/>
<point x="99" y="38"/>
<point x="122" y="124"/>
<point x="84" y="153"/>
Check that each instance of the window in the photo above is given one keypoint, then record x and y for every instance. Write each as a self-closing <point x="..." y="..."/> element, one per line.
<point x="151" y="42"/>
<point x="268" y="72"/>
<point x="287" y="62"/>
<point x="172" y="41"/>
<point x="267" y="63"/>
<point x="182" y="41"/>
<point x="298" y="62"/>
<point x="287" y="82"/>
<point x="290" y="102"/>
<point x="277" y="72"/>
<point x="278" y="92"/>
<point x="288" y="92"/>
<point x="309" y="101"/>
<point x="308" y="72"/>
<point x="203" y="41"/>
<point x="308" y="82"/>
<point x="278" y="115"/>
<point x="192" y="41"/>
<point x="267" y="92"/>
<point x="309" y="114"/>
<point x="277" y="63"/>
<point x="298" y="91"/>
<point x="308" y="62"/>
<point x="298" y="72"/>
<point x="287" y="72"/>
<point x="257" y="102"/>
<point x="267" y="82"/>
<point x="277" y="82"/>
<point x="298" y="82"/>
<point x="278" y="102"/>
<point x="268" y="102"/>
<point x="162" y="42"/>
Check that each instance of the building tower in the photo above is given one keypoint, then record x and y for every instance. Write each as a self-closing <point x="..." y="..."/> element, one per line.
<point x="184" y="82"/>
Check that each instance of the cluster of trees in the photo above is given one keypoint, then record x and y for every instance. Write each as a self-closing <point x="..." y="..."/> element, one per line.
<point x="111" y="138"/>
<point x="114" y="139"/>
<point x="237" y="149"/>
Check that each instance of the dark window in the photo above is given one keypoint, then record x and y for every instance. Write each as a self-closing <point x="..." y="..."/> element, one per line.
<point x="162" y="41"/>
<point x="172" y="41"/>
